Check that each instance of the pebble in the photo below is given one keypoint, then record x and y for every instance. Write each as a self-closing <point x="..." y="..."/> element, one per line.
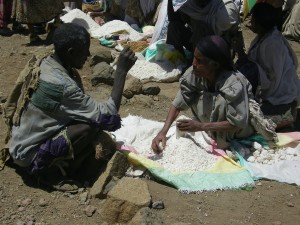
<point x="42" y="202"/>
<point x="26" y="202"/>
<point x="89" y="210"/>
<point x="83" y="197"/>
<point x="20" y="209"/>
<point x="158" y="205"/>
<point x="155" y="98"/>
<point x="290" y="204"/>
<point x="19" y="222"/>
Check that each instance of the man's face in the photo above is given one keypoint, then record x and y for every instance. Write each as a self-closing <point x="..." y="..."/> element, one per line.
<point x="79" y="55"/>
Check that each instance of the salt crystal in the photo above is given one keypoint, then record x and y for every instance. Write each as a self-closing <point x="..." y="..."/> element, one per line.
<point x="256" y="145"/>
<point x="271" y="151"/>
<point x="282" y="157"/>
<point x="265" y="161"/>
<point x="256" y="153"/>
<point x="264" y="152"/>
<point x="291" y="151"/>
<point x="251" y="159"/>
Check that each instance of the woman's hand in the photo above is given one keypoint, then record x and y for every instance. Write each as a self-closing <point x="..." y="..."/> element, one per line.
<point x="157" y="142"/>
<point x="189" y="125"/>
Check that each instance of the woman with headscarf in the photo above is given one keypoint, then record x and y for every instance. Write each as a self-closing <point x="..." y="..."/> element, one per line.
<point x="271" y="67"/>
<point x="218" y="95"/>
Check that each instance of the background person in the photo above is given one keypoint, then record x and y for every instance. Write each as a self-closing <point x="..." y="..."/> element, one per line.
<point x="271" y="67"/>
<point x="198" y="18"/>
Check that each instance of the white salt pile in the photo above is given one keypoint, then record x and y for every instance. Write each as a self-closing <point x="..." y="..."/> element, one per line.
<point x="183" y="154"/>
<point x="82" y="19"/>
<point x="117" y="26"/>
<point x="163" y="72"/>
<point x="97" y="31"/>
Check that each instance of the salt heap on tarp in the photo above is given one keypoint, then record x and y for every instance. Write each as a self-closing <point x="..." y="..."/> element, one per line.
<point x="97" y="31"/>
<point x="190" y="153"/>
<point x="82" y="19"/>
<point x="155" y="71"/>
<point x="119" y="27"/>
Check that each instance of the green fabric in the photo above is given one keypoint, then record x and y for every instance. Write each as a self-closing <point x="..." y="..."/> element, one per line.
<point x="47" y="96"/>
<point x="225" y="174"/>
<point x="203" y="181"/>
<point x="107" y="43"/>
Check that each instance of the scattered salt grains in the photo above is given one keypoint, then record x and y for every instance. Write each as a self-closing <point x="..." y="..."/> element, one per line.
<point x="272" y="156"/>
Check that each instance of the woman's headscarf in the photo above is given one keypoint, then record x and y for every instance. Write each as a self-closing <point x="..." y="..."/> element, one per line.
<point x="215" y="48"/>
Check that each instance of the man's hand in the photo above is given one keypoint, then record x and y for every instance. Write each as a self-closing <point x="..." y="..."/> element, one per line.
<point x="159" y="143"/>
<point x="126" y="60"/>
<point x="189" y="125"/>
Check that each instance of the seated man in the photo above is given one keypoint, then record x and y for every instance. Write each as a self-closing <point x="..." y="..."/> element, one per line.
<point x="199" y="18"/>
<point x="271" y="67"/>
<point x="58" y="121"/>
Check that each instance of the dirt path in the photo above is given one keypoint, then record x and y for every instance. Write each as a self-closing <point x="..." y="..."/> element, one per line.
<point x="22" y="202"/>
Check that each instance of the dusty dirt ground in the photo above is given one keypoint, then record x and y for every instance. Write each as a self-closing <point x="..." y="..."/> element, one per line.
<point x="24" y="202"/>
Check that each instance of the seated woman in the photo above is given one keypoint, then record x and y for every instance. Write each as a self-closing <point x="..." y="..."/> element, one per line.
<point x="270" y="66"/>
<point x="218" y="95"/>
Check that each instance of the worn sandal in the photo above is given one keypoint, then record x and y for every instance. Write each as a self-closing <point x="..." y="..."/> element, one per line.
<point x="35" y="40"/>
<point x="70" y="186"/>
<point x="63" y="185"/>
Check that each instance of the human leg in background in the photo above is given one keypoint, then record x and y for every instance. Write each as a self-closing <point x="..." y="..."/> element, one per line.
<point x="5" y="13"/>
<point x="179" y="36"/>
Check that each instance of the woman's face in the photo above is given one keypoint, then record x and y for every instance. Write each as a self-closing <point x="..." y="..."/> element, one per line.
<point x="201" y="66"/>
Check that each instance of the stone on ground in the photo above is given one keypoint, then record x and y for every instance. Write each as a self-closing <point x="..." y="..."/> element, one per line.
<point x="116" y="167"/>
<point x="146" y="216"/>
<point x="125" y="200"/>
<point x="102" y="73"/>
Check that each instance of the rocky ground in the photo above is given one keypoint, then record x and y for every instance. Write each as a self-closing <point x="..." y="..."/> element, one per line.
<point x="23" y="201"/>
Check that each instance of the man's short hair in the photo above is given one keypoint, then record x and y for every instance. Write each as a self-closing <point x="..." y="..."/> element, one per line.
<point x="69" y="35"/>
